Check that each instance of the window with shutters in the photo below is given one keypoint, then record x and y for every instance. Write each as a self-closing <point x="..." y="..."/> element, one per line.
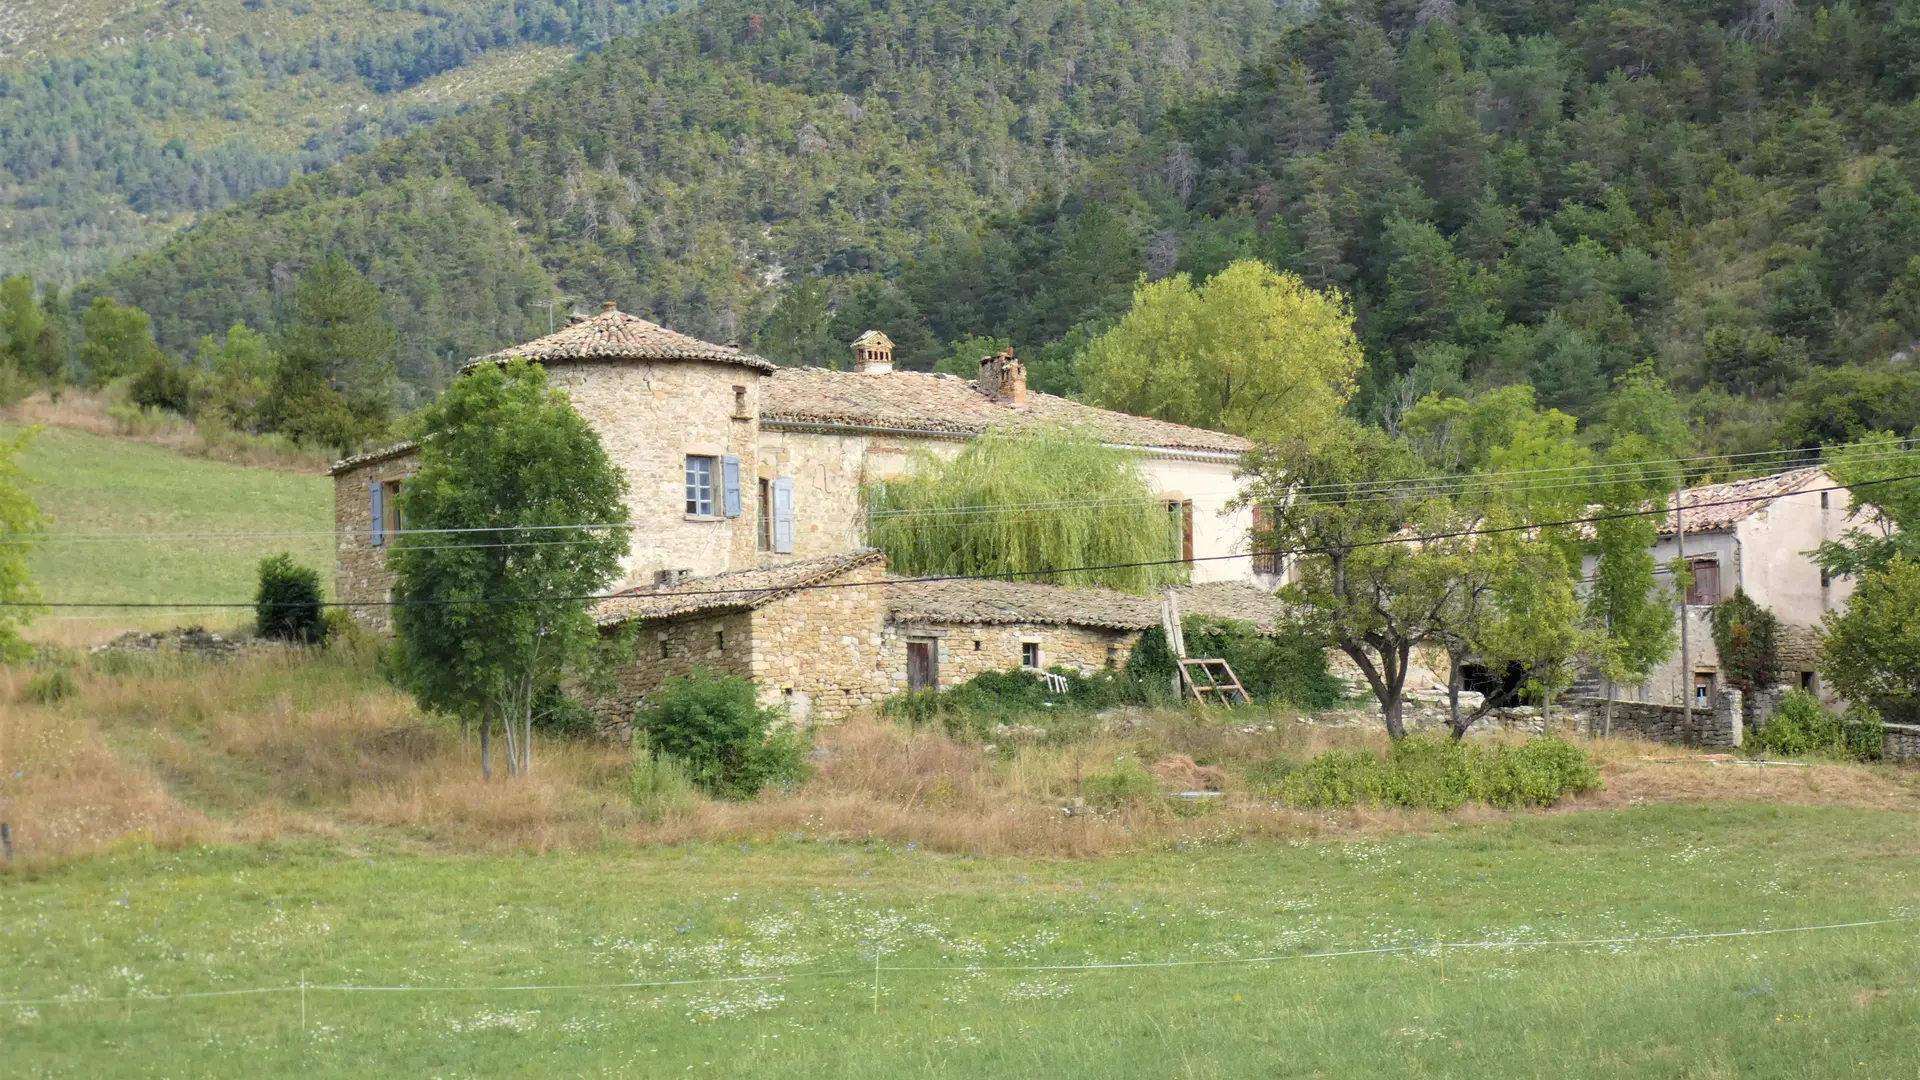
<point x="1706" y="581"/>
<point x="1030" y="655"/>
<point x="393" y="520"/>
<point x="700" y="484"/>
<point x="783" y="516"/>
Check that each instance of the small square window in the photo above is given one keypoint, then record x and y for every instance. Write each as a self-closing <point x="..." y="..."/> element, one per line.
<point x="663" y="646"/>
<point x="976" y="646"/>
<point x="720" y="640"/>
<point x="700" y="470"/>
<point x="1030" y="654"/>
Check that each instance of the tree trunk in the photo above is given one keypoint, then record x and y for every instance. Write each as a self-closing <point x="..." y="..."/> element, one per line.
<point x="486" y="745"/>
<point x="1453" y="692"/>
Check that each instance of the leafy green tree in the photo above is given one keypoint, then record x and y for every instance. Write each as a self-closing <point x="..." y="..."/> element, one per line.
<point x="1884" y="498"/>
<point x="233" y="378"/>
<point x="117" y="340"/>
<point x="799" y="332"/>
<point x="21" y="524"/>
<point x="715" y="726"/>
<point x="1347" y="502"/>
<point x="488" y="620"/>
<point x="1871" y="649"/>
<point x="21" y="328"/>
<point x="975" y="514"/>
<point x="1746" y="636"/>
<point x="1252" y="351"/>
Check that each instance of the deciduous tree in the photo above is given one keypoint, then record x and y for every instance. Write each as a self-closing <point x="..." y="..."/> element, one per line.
<point x="504" y="539"/>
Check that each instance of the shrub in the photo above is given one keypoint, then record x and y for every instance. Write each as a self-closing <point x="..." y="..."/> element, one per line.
<point x="1285" y="665"/>
<point x="1431" y="772"/>
<point x="162" y="384"/>
<point x="1126" y="781"/>
<point x="716" y="727"/>
<point x="973" y="709"/>
<point x="51" y="685"/>
<point x="1801" y="725"/>
<point x="287" y="606"/>
<point x="557" y="712"/>
<point x="1746" y="636"/>
<point x="660" y="786"/>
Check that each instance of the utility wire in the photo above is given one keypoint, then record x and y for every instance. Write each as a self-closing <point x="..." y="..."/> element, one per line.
<point x="1049" y="572"/>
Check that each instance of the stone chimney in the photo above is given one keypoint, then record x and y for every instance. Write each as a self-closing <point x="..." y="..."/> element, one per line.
<point x="873" y="353"/>
<point x="1002" y="378"/>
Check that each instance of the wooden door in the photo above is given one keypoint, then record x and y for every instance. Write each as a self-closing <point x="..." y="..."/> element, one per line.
<point x="923" y="665"/>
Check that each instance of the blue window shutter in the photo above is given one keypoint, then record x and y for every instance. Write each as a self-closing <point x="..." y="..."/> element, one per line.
<point x="730" y="471"/>
<point x="376" y="536"/>
<point x="783" y="516"/>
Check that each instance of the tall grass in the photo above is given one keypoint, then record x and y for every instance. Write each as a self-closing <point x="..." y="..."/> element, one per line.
<point x="1026" y="503"/>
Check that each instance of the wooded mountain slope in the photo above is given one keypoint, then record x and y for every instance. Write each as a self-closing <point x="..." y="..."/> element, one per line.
<point x="689" y="170"/>
<point x="121" y="121"/>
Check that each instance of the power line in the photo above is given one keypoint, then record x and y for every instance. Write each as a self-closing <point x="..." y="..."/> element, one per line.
<point x="935" y="578"/>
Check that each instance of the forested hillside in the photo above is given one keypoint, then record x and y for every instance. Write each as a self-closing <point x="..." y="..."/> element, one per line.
<point x="120" y="121"/>
<point x="1545" y="192"/>
<point x="693" y="170"/>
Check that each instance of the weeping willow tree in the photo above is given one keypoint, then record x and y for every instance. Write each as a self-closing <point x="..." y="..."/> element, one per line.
<point x="1012" y="506"/>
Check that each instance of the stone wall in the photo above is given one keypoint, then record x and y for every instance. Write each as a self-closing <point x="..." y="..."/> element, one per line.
<point x="1720" y="725"/>
<point x="822" y="653"/>
<point x="1903" y="743"/>
<point x="360" y="566"/>
<point x="967" y="649"/>
<point x="721" y="643"/>
<point x="649" y="417"/>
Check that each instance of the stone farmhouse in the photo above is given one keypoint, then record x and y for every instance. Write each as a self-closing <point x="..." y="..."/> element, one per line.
<point x="747" y="525"/>
<point x="1756" y="535"/>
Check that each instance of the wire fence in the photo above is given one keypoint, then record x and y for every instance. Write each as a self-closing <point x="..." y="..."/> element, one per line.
<point x="1438" y="948"/>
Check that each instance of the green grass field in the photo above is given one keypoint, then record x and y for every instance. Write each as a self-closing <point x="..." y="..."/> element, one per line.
<point x="958" y="938"/>
<point x="171" y="504"/>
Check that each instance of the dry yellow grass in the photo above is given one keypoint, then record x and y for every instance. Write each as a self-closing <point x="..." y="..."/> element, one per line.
<point x="97" y="413"/>
<point x="282" y="745"/>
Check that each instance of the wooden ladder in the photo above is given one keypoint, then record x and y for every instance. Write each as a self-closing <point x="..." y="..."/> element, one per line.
<point x="1221" y="682"/>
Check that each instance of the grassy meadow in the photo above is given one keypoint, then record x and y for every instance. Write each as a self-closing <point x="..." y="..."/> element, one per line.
<point x="964" y="943"/>
<point x="95" y="484"/>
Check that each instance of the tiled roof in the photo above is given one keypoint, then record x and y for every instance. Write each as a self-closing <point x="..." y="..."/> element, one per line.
<point x="348" y="464"/>
<point x="1714" y="507"/>
<point x="926" y="401"/>
<point x="615" y="335"/>
<point x="983" y="602"/>
<point x="738" y="590"/>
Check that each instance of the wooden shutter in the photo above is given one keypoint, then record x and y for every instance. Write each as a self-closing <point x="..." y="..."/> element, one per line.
<point x="783" y="516"/>
<point x="1186" y="530"/>
<point x="1263" y="561"/>
<point x="730" y="485"/>
<point x="376" y="491"/>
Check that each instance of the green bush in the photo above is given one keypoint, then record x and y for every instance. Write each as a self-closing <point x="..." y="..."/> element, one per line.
<point x="1802" y="726"/>
<point x="287" y="607"/>
<point x="51" y="685"/>
<point x="557" y="712"/>
<point x="1019" y="697"/>
<point x="162" y="384"/>
<point x="1126" y="781"/>
<point x="1285" y="665"/>
<point x="1431" y="772"/>
<point x="660" y="786"/>
<point x="717" y="728"/>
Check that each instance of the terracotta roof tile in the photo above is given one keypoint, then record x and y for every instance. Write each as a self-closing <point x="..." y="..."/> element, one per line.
<point x="926" y="401"/>
<point x="1713" y="507"/>
<point x="738" y="590"/>
<point x="984" y="602"/>
<point x="348" y="464"/>
<point x="615" y="335"/>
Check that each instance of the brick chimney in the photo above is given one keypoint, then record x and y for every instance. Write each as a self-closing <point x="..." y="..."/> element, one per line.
<point x="873" y="353"/>
<point x="1002" y="378"/>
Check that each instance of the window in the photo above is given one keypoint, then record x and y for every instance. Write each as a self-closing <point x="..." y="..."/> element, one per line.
<point x="1265" y="561"/>
<point x="720" y="641"/>
<point x="740" y="403"/>
<point x="385" y="517"/>
<point x="976" y="646"/>
<point x="663" y="645"/>
<point x="1826" y="579"/>
<point x="1180" y="513"/>
<point x="1806" y="681"/>
<point x="1823" y="500"/>
<point x="700" y="470"/>
<point x="1030" y="655"/>
<point x="1706" y="581"/>
<point x="1703" y="689"/>
<point x="766" y="515"/>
